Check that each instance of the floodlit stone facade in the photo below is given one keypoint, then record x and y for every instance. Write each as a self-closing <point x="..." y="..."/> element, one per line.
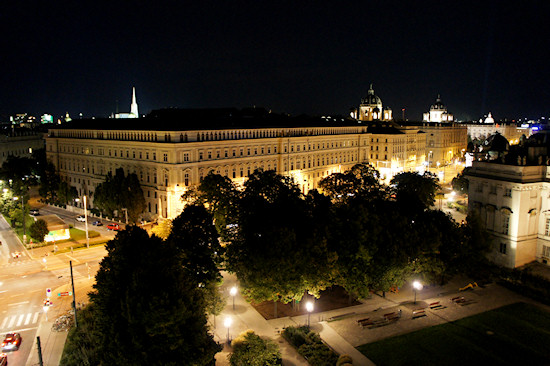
<point x="169" y="161"/>
<point x="513" y="201"/>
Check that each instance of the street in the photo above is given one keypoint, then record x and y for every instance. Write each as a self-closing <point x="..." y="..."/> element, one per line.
<point x="23" y="283"/>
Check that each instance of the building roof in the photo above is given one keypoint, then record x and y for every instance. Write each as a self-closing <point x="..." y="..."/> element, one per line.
<point x="371" y="98"/>
<point x="54" y="222"/>
<point x="175" y="119"/>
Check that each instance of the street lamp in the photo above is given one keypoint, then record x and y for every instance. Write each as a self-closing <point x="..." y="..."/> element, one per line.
<point x="23" y="211"/>
<point x="309" y="308"/>
<point x="417" y="287"/>
<point x="227" y="323"/>
<point x="46" y="308"/>
<point x="85" y="219"/>
<point x="233" y="292"/>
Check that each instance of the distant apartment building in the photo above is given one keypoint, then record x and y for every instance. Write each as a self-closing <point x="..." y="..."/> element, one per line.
<point x="510" y="191"/>
<point x="511" y="131"/>
<point x="20" y="143"/>
<point x="171" y="150"/>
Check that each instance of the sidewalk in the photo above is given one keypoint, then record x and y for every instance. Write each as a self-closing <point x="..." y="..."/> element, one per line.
<point x="53" y="342"/>
<point x="246" y="317"/>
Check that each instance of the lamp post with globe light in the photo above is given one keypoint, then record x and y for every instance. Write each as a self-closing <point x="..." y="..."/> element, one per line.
<point x="85" y="219"/>
<point x="227" y="323"/>
<point x="233" y="292"/>
<point x="417" y="287"/>
<point x="309" y="308"/>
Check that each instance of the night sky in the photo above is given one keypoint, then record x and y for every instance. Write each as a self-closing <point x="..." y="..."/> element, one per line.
<point x="312" y="57"/>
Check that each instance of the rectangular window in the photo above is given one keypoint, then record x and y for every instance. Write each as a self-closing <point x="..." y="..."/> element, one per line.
<point x="505" y="224"/>
<point x="165" y="157"/>
<point x="546" y="251"/>
<point x="508" y="192"/>
<point x="493" y="189"/>
<point x="200" y="156"/>
<point x="502" y="248"/>
<point x="185" y="156"/>
<point x="547" y="227"/>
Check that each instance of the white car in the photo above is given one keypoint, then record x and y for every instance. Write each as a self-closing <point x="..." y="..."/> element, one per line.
<point x="16" y="254"/>
<point x="80" y="218"/>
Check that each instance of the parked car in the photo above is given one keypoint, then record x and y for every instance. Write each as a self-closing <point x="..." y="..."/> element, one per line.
<point x="12" y="341"/>
<point x="34" y="212"/>
<point x="16" y="254"/>
<point x="80" y="218"/>
<point x="97" y="223"/>
<point x="115" y="227"/>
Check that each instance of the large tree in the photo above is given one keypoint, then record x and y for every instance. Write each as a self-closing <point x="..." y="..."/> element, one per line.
<point x="120" y="192"/>
<point x="196" y="239"/>
<point x="149" y="310"/>
<point x="362" y="180"/>
<point x="414" y="191"/>
<point x="38" y="230"/>
<point x="220" y="196"/>
<point x="274" y="247"/>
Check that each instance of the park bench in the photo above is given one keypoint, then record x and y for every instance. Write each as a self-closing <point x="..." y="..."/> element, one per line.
<point x="336" y="317"/>
<point x="418" y="313"/>
<point x="457" y="299"/>
<point x="363" y="322"/>
<point x="436" y="306"/>
<point x="392" y="316"/>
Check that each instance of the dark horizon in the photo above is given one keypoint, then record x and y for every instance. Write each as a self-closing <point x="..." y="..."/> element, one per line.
<point x="314" y="58"/>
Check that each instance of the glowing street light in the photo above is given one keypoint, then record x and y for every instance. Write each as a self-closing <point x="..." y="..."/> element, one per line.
<point x="309" y="308"/>
<point x="417" y="287"/>
<point x="227" y="323"/>
<point x="233" y="292"/>
<point x="46" y="308"/>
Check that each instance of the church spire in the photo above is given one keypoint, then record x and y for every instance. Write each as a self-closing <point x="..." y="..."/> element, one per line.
<point x="134" y="106"/>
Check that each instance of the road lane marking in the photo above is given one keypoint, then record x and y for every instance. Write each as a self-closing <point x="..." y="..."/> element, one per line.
<point x="20" y="321"/>
<point x="35" y="318"/>
<point x="18" y="303"/>
<point x="21" y="330"/>
<point x="4" y="323"/>
<point x="12" y="321"/>
<point x="28" y="318"/>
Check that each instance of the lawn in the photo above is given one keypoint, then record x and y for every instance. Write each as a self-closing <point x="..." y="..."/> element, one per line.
<point x="516" y="334"/>
<point x="77" y="234"/>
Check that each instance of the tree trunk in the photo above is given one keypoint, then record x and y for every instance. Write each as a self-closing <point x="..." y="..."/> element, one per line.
<point x="384" y="294"/>
<point x="275" y="309"/>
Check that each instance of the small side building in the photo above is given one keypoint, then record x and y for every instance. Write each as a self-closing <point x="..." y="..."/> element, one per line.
<point x="510" y="191"/>
<point x="58" y="229"/>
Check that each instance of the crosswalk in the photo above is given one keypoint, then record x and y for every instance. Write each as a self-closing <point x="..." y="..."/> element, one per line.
<point x="19" y="320"/>
<point x="18" y="262"/>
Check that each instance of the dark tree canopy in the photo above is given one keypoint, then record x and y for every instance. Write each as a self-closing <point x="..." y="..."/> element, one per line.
<point x="415" y="191"/>
<point x="149" y="311"/>
<point x="461" y="183"/>
<point x="38" y="230"/>
<point x="120" y="192"/>
<point x="362" y="180"/>
<point x="194" y="235"/>
<point x="277" y="252"/>
<point x="220" y="196"/>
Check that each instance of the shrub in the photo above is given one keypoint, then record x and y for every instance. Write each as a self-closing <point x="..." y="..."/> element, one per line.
<point x="344" y="360"/>
<point x="310" y="346"/>
<point x="249" y="349"/>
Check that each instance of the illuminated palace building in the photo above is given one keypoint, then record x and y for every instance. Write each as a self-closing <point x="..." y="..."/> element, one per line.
<point x="171" y="150"/>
